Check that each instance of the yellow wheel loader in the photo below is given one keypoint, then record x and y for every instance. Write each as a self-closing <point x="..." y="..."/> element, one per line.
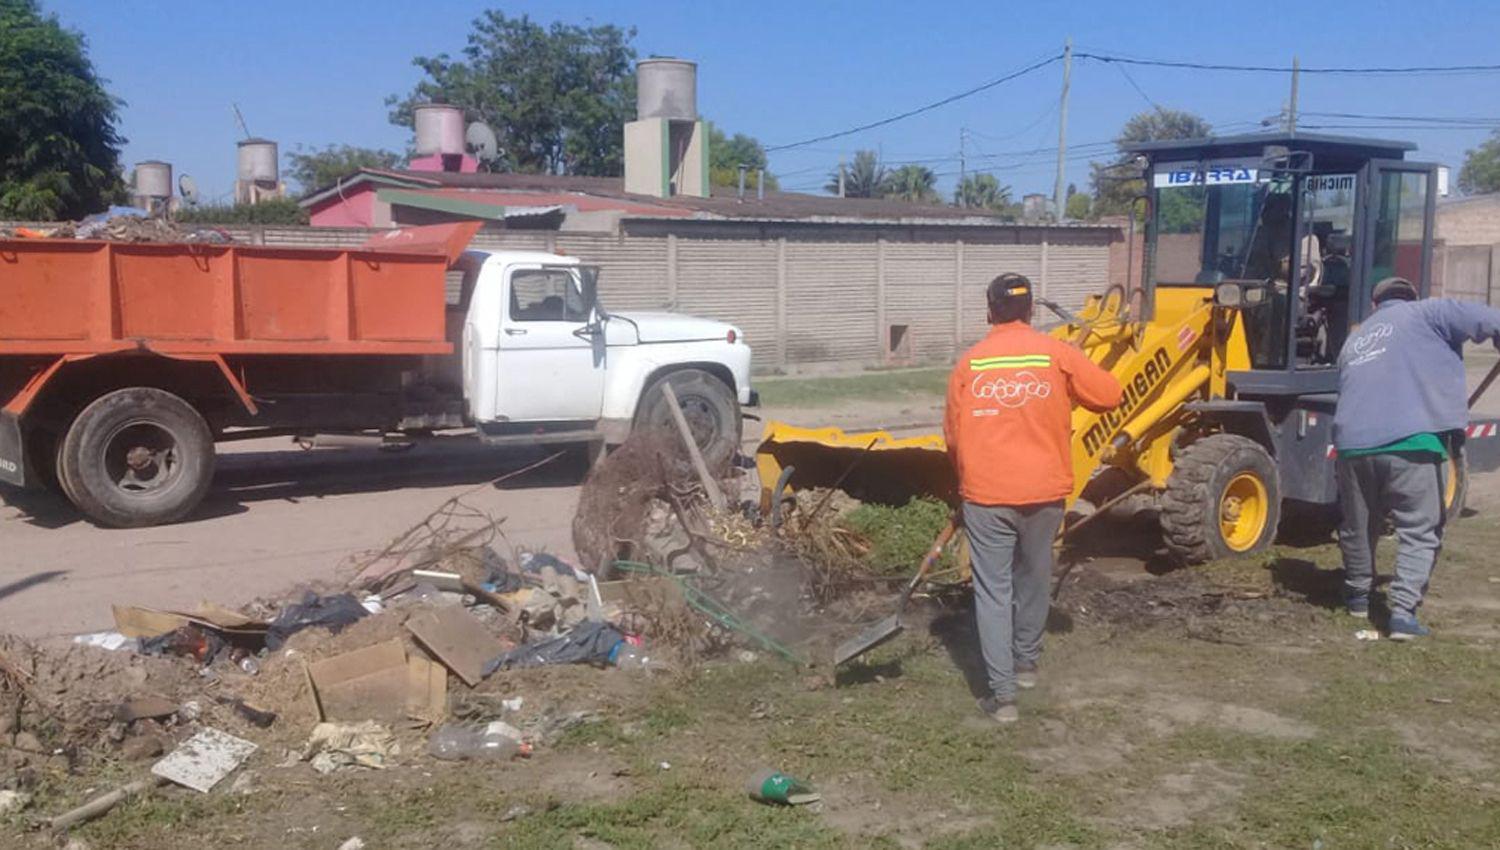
<point x="1260" y="254"/>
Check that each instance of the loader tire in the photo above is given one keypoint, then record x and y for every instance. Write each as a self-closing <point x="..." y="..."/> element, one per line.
<point x="1455" y="486"/>
<point x="137" y="457"/>
<point x="711" y="410"/>
<point x="1222" y="499"/>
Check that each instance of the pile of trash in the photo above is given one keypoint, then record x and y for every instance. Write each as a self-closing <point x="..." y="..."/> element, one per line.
<point x="121" y="224"/>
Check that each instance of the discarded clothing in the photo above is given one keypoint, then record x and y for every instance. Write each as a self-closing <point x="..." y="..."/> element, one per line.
<point x="331" y="612"/>
<point x="589" y="643"/>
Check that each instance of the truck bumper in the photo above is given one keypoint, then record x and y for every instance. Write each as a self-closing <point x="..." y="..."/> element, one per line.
<point x="12" y="450"/>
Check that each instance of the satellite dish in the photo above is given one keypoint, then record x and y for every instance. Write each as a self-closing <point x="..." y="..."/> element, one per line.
<point x="481" y="141"/>
<point x="188" y="188"/>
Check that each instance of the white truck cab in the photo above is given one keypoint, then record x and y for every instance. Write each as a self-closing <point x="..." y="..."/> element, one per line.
<point x="542" y="357"/>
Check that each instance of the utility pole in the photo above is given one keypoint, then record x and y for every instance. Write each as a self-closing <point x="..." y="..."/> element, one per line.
<point x="1291" y="112"/>
<point x="962" y="164"/>
<point x="841" y="177"/>
<point x="1062" y="129"/>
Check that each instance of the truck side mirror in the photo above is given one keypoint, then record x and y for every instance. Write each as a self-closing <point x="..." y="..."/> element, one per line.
<point x="589" y="285"/>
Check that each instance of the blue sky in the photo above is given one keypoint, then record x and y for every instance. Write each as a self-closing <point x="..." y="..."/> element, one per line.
<point x="317" y="72"/>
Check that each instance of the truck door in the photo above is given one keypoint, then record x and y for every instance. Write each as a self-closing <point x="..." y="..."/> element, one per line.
<point x="551" y="354"/>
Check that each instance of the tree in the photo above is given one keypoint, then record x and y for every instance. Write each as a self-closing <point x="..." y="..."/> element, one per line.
<point x="863" y="178"/>
<point x="982" y="191"/>
<point x="315" y="168"/>
<point x="272" y="211"/>
<point x="1481" y="170"/>
<point x="725" y="154"/>
<point x="914" y="183"/>
<point x="1078" y="206"/>
<point x="59" y="144"/>
<point x="557" y="97"/>
<point x="1118" y="183"/>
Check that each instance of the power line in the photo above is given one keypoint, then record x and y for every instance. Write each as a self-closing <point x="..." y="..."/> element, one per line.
<point x="1133" y="84"/>
<point x="1276" y="69"/>
<point x="1426" y="119"/>
<point x="1398" y="126"/>
<point x="921" y="109"/>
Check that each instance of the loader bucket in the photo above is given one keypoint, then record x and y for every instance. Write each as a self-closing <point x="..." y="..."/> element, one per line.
<point x="872" y="466"/>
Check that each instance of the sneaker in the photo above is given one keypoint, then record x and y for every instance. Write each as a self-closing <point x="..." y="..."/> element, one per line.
<point x="1000" y="711"/>
<point x="1358" y="608"/>
<point x="1406" y="627"/>
<point x="1025" y="676"/>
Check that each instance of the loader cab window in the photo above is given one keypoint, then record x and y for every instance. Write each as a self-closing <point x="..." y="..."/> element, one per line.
<point x="547" y="295"/>
<point x="1327" y="259"/>
<point x="1219" y="221"/>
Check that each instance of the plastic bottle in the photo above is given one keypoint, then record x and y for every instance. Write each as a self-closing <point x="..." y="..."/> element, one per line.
<point x="454" y="742"/>
<point x="627" y="656"/>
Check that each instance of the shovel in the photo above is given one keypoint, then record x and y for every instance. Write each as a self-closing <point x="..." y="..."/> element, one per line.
<point x="883" y="630"/>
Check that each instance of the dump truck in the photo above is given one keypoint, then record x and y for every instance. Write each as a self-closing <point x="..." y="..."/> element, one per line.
<point x="122" y="364"/>
<point x="1260" y="254"/>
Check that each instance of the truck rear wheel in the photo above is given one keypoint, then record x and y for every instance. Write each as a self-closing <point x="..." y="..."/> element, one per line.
<point x="1222" y="499"/>
<point x="708" y="404"/>
<point x="137" y="457"/>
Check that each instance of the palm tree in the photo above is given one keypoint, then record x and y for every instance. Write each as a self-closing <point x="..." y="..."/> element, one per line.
<point x="914" y="183"/>
<point x="982" y="191"/>
<point x="864" y="178"/>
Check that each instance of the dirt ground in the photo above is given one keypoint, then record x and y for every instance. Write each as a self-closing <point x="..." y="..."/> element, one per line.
<point x="1229" y="705"/>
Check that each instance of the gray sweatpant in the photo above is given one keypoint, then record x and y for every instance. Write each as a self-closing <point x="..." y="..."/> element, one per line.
<point x="1011" y="547"/>
<point x="1409" y="487"/>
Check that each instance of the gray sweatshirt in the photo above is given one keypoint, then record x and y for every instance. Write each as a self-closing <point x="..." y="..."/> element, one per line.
<point x="1402" y="372"/>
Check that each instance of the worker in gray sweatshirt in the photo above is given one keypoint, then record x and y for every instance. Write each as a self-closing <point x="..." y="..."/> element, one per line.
<point x="1401" y="413"/>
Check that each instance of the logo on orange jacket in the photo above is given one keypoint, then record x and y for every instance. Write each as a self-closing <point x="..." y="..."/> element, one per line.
<point x="1010" y="390"/>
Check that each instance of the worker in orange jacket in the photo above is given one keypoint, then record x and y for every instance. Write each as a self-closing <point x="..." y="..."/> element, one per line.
<point x="1008" y="425"/>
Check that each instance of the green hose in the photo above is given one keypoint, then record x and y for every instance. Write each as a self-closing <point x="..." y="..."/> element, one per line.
<point x="713" y="609"/>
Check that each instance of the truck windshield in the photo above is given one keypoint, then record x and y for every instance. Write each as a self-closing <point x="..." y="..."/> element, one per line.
<point x="1218" y="221"/>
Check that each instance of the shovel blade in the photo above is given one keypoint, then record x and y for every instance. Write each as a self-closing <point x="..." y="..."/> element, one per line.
<point x="872" y="636"/>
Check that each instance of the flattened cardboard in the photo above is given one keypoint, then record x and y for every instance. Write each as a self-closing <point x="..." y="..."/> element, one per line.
<point x="366" y="684"/>
<point x="203" y="760"/>
<point x="138" y="622"/>
<point x="459" y="641"/>
<point x="426" y="689"/>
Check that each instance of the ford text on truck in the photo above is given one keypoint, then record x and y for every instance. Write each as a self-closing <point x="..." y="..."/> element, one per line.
<point x="122" y="364"/>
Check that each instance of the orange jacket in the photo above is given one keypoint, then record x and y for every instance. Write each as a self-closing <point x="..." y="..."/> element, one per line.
<point x="1008" y="421"/>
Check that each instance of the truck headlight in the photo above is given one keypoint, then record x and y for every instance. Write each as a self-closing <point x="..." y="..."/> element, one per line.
<point x="1228" y="295"/>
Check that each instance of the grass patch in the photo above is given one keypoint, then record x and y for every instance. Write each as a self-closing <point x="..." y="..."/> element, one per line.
<point x="900" y="536"/>
<point x="867" y="386"/>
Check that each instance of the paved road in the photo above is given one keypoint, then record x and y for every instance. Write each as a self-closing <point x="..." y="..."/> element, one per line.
<point x="279" y="516"/>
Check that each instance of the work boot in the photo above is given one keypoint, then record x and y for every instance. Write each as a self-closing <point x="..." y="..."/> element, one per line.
<point x="1000" y="711"/>
<point x="1025" y="675"/>
<point x="1406" y="627"/>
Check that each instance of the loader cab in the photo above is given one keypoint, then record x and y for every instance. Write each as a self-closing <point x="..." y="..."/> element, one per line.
<point x="1295" y="230"/>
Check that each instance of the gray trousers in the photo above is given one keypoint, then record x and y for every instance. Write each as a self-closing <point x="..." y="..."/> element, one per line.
<point x="1410" y="488"/>
<point x="1011" y="548"/>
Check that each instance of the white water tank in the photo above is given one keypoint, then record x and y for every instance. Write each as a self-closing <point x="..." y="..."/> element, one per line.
<point x="257" y="161"/>
<point x="666" y="88"/>
<point x="440" y="129"/>
<point x="153" y="179"/>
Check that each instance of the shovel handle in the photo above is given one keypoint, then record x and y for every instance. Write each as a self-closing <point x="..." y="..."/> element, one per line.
<point x="1484" y="384"/>
<point x="930" y="559"/>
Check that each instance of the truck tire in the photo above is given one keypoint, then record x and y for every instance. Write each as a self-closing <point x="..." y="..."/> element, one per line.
<point x="1222" y="499"/>
<point x="708" y="404"/>
<point x="137" y="457"/>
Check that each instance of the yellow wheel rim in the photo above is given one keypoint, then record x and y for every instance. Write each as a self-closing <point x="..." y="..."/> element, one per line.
<point x="1243" y="510"/>
<point x="1450" y="487"/>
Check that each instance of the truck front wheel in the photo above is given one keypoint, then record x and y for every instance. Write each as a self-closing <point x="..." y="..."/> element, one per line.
<point x="708" y="404"/>
<point x="137" y="457"/>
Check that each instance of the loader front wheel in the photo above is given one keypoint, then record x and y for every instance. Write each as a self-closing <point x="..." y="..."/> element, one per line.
<point x="1222" y="499"/>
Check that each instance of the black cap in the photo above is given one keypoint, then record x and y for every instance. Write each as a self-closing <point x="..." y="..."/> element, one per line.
<point x="1394" y="287"/>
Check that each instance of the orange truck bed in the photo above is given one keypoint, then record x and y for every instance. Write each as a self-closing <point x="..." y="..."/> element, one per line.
<point x="79" y="297"/>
